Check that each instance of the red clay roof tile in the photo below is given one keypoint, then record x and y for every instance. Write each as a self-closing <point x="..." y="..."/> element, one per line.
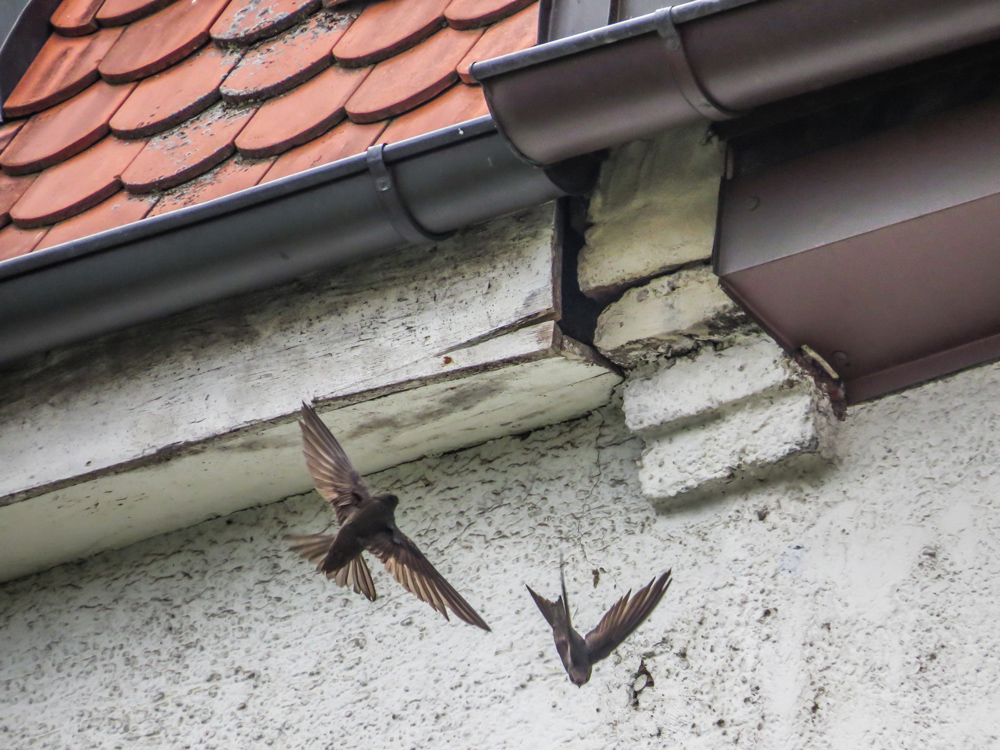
<point x="412" y="78"/>
<point x="458" y="104"/>
<point x="58" y="133"/>
<point x="471" y="14"/>
<point x="120" y="12"/>
<point x="347" y="139"/>
<point x="62" y="68"/>
<point x="15" y="241"/>
<point x="117" y="211"/>
<point x="302" y="114"/>
<point x="76" y="17"/>
<point x="515" y="33"/>
<point x="11" y="188"/>
<point x="7" y="132"/>
<point x="75" y="185"/>
<point x="246" y="21"/>
<point x="187" y="150"/>
<point x="387" y="28"/>
<point x="230" y="177"/>
<point x="160" y="40"/>
<point x="282" y="63"/>
<point x="178" y="93"/>
<point x="192" y="157"/>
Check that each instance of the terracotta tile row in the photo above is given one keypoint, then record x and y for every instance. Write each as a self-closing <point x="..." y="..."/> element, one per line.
<point x="247" y="21"/>
<point x="282" y="63"/>
<point x="151" y="116"/>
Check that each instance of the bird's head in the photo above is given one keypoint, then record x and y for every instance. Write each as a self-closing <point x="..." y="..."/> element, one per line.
<point x="389" y="500"/>
<point x="579" y="674"/>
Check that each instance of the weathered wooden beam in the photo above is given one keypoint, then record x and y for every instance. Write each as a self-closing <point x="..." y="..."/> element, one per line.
<point x="162" y="426"/>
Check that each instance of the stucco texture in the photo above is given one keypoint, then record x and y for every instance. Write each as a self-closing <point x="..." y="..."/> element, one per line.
<point x="856" y="608"/>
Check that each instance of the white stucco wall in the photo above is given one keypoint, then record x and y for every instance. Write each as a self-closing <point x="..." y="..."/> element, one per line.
<point x="853" y="609"/>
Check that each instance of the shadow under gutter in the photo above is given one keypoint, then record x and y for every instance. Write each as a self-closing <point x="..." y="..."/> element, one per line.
<point x="711" y="59"/>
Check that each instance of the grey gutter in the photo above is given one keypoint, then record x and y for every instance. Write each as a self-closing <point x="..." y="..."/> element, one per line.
<point x="709" y="59"/>
<point x="413" y="191"/>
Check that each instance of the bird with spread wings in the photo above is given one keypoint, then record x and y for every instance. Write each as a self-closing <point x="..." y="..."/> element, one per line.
<point x="367" y="522"/>
<point x="579" y="654"/>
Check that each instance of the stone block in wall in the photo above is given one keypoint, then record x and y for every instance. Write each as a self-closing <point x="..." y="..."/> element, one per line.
<point x="740" y="413"/>
<point x="653" y="211"/>
<point x="688" y="388"/>
<point x="666" y="317"/>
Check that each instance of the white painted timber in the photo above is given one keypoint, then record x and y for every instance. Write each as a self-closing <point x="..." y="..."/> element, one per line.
<point x="160" y="427"/>
<point x="653" y="210"/>
<point x="667" y="316"/>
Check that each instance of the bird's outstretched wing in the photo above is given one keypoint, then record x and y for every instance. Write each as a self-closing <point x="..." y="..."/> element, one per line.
<point x="554" y="612"/>
<point x="315" y="547"/>
<point x="336" y="480"/>
<point x="625" y="616"/>
<point x="408" y="565"/>
<point x="557" y="612"/>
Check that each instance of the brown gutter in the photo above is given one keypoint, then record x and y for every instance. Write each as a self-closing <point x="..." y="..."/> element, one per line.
<point x="710" y="59"/>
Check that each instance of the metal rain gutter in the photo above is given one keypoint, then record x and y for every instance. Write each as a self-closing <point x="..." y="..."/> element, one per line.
<point x="709" y="59"/>
<point x="414" y="191"/>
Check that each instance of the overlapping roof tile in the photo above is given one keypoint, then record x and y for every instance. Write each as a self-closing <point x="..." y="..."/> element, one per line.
<point x="11" y="189"/>
<point x="65" y="130"/>
<point x="411" y="78"/>
<point x="119" y="12"/>
<point x="75" y="185"/>
<point x="15" y="241"/>
<point x="76" y="17"/>
<point x="347" y="139"/>
<point x="246" y="21"/>
<point x="472" y="14"/>
<point x="135" y="108"/>
<point x="300" y="115"/>
<point x="282" y="63"/>
<point x="178" y="93"/>
<point x="230" y="177"/>
<point x="118" y="210"/>
<point x="386" y="28"/>
<point x="186" y="151"/>
<point x="158" y="41"/>
<point x="65" y="66"/>
<point x="513" y="34"/>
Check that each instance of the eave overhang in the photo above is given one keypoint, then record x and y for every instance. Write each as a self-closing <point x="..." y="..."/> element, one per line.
<point x="709" y="59"/>
<point x="881" y="254"/>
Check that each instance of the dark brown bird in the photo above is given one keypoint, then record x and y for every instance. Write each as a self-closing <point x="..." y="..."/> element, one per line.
<point x="579" y="654"/>
<point x="367" y="522"/>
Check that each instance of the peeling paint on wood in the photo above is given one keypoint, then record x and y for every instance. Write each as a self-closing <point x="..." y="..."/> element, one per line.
<point x="428" y="350"/>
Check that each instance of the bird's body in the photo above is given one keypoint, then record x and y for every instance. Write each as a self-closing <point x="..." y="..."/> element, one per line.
<point x="367" y="522"/>
<point x="579" y="654"/>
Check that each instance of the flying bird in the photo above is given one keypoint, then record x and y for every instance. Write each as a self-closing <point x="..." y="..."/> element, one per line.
<point x="579" y="654"/>
<point x="367" y="522"/>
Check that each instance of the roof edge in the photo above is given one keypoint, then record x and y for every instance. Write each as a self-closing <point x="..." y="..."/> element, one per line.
<point x="270" y="234"/>
<point x="709" y="59"/>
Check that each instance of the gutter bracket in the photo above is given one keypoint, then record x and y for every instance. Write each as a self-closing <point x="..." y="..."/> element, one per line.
<point x="392" y="202"/>
<point x="680" y="66"/>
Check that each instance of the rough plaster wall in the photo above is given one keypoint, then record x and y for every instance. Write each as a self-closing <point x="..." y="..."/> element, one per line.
<point x="852" y="609"/>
